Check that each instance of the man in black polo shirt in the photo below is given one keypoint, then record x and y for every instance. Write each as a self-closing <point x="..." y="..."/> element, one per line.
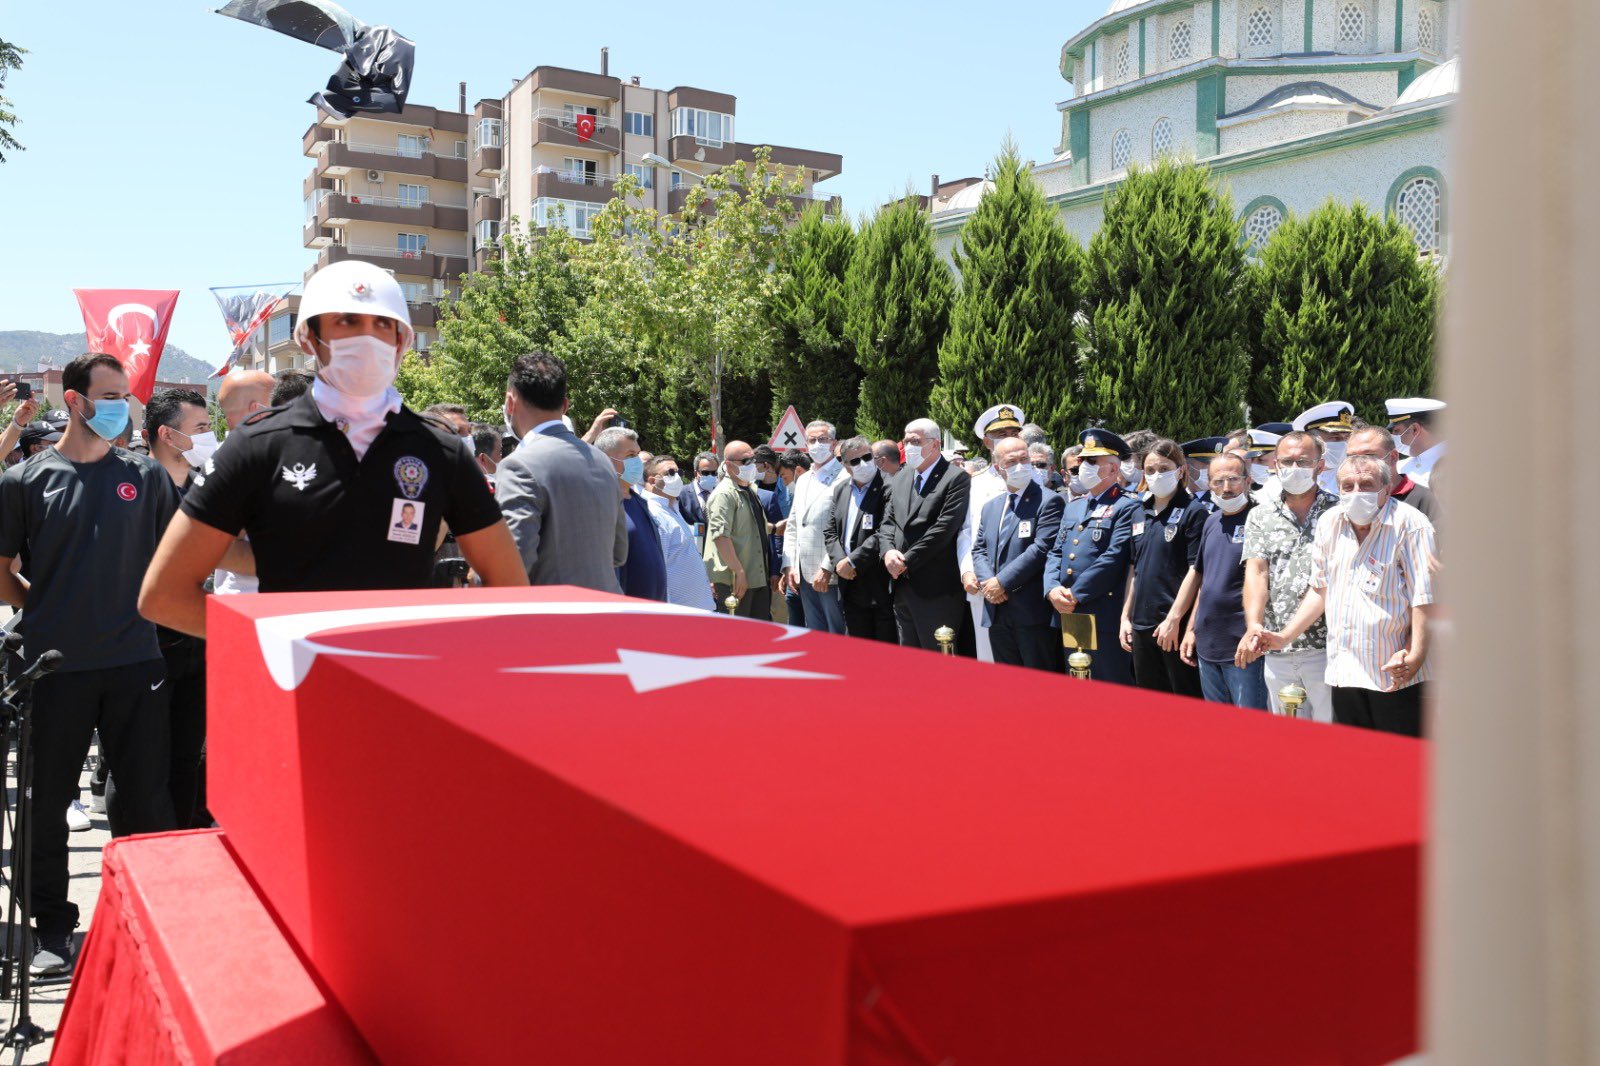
<point x="85" y="519"/>
<point x="320" y="484"/>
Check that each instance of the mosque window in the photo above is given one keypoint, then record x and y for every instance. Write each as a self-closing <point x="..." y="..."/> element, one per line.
<point x="1182" y="40"/>
<point x="1427" y="30"/>
<point x="1258" y="29"/>
<point x="1161" y="138"/>
<point x="1417" y="206"/>
<point x="1352" y="24"/>
<point x="1121" y="149"/>
<point x="1122" y="64"/>
<point x="1259" y="227"/>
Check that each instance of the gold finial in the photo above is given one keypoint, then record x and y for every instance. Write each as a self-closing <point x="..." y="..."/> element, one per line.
<point x="946" y="638"/>
<point x="1079" y="662"/>
<point x="1291" y="696"/>
<point x="732" y="604"/>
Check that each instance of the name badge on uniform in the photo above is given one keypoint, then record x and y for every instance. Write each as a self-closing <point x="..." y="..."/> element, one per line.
<point x="866" y="521"/>
<point x="1238" y="535"/>
<point x="405" y="521"/>
<point x="1024" y="529"/>
<point x="1371" y="578"/>
<point x="1138" y="530"/>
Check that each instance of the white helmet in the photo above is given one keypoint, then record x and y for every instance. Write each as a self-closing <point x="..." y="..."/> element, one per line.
<point x="352" y="287"/>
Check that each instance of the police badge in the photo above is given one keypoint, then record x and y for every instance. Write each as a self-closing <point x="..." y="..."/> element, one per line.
<point x="1172" y="531"/>
<point x="411" y="474"/>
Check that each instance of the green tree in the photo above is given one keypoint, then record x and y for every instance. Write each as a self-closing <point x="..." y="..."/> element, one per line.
<point x="899" y="308"/>
<point x="1012" y="338"/>
<point x="10" y="59"/>
<point x="814" y="363"/>
<point x="695" y="290"/>
<point x="524" y="300"/>
<point x="1167" y="306"/>
<point x="1346" y="310"/>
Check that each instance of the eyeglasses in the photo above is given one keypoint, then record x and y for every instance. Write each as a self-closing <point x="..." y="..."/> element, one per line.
<point x="1072" y="471"/>
<point x="1297" y="464"/>
<point x="1041" y="466"/>
<point x="858" y="460"/>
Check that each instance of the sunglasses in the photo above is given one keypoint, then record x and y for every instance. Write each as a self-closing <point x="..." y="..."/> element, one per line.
<point x="858" y="460"/>
<point x="1041" y="466"/>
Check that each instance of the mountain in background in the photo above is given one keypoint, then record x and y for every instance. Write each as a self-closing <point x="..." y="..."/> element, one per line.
<point x="21" y="350"/>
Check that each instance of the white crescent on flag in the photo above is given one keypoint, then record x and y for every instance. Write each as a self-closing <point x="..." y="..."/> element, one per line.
<point x="131" y="309"/>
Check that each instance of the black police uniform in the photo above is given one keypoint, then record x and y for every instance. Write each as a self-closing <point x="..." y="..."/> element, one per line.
<point x="1165" y="545"/>
<point x="320" y="519"/>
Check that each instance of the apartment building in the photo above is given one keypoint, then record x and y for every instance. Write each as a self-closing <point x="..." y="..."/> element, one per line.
<point x="427" y="193"/>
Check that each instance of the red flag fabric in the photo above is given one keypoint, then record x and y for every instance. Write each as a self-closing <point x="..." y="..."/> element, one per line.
<point x="585" y="127"/>
<point x="130" y="324"/>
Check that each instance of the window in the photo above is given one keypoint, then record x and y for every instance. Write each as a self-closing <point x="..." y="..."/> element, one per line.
<point x="676" y="181"/>
<point x="578" y="171"/>
<point x="488" y="133"/>
<point x="409" y="145"/>
<point x="411" y="245"/>
<point x="421" y="344"/>
<point x="1352" y="25"/>
<point x="1259" y="227"/>
<point x="1418" y="209"/>
<point x="1161" y="138"/>
<point x="1121" y="64"/>
<point x="646" y="175"/>
<point x="413" y="195"/>
<point x="279" y="329"/>
<point x="1427" y="29"/>
<point x="1121" y="149"/>
<point x="461" y="149"/>
<point x="1182" y="40"/>
<point x="1258" y="29"/>
<point x="639" y="123"/>
<point x="711" y="128"/>
<point x="487" y="233"/>
<point x="416" y="292"/>
<point x="572" y="215"/>
<point x="570" y="113"/>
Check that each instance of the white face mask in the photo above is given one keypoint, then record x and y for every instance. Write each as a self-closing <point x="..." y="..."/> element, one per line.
<point x="914" y="455"/>
<point x="1334" y="450"/>
<point x="672" y="485"/>
<point x="1131" y="473"/>
<point x="1259" y="472"/>
<point x="862" y="473"/>
<point x="1361" y="507"/>
<point x="1295" y="479"/>
<point x="707" y="482"/>
<point x="361" y="366"/>
<point x="1163" y="484"/>
<point x="202" y="446"/>
<point x="820" y="452"/>
<point x="1202" y="480"/>
<point x="1089" y="476"/>
<point x="1019" y="477"/>
<point x="747" y="473"/>
<point x="1232" y="505"/>
<point x="1041" y="477"/>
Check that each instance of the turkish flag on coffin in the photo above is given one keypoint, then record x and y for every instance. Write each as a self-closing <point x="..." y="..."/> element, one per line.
<point x="130" y="324"/>
<point x="656" y="835"/>
<point x="585" y="127"/>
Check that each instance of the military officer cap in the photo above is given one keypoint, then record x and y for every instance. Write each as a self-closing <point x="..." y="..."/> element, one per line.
<point x="1103" y="442"/>
<point x="1000" y="416"/>
<point x="1204" y="448"/>
<point x="1262" y="442"/>
<point x="1280" y="428"/>
<point x="1403" y="411"/>
<point x="1333" y="416"/>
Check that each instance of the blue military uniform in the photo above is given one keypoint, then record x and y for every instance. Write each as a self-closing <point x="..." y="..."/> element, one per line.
<point x="1204" y="450"/>
<point x="1091" y="557"/>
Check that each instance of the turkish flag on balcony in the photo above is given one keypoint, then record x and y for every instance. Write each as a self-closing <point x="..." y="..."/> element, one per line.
<point x="585" y="127"/>
<point x="130" y="324"/>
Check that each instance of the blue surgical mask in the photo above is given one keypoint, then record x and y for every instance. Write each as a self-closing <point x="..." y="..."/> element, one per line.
<point x="633" y="470"/>
<point x="110" y="418"/>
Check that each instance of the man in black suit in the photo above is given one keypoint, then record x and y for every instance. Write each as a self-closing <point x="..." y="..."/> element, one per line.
<point x="926" y="510"/>
<point x="851" y="538"/>
<point x="1015" y="533"/>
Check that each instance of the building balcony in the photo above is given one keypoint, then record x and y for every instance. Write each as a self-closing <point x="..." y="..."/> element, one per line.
<point x="576" y="82"/>
<point x="555" y="127"/>
<point x="822" y="164"/>
<point x="316" y="135"/>
<point x="342" y="209"/>
<point x="691" y="150"/>
<point x="486" y="160"/>
<point x="485" y="209"/>
<point x="314" y="234"/>
<point x="568" y="185"/>
<point x="423" y="315"/>
<point x="481" y="256"/>
<point x="340" y="159"/>
<point x="313" y="182"/>
<point x="423" y="264"/>
<point x="418" y="115"/>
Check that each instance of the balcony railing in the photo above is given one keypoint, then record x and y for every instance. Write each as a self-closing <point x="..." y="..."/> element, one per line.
<point x="399" y="201"/>
<point x="569" y="120"/>
<point x="394" y="150"/>
<point x="577" y="177"/>
<point x="387" y="250"/>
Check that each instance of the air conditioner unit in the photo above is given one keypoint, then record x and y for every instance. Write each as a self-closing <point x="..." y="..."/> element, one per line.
<point x="375" y="175"/>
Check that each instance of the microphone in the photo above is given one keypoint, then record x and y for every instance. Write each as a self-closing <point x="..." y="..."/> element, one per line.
<point x="13" y="643"/>
<point x="45" y="663"/>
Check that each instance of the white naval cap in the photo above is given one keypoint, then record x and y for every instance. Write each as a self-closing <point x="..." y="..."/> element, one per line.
<point x="1262" y="441"/>
<point x="1333" y="415"/>
<point x="1000" y="416"/>
<point x="1400" y="410"/>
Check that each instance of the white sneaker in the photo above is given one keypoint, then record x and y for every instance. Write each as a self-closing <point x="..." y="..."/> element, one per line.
<point x="77" y="818"/>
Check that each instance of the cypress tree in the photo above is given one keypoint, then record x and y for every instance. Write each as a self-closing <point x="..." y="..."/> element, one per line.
<point x="1346" y="311"/>
<point x="814" y="363"/>
<point x="1167" y="306"/>
<point x="1012" y="337"/>
<point x="898" y="309"/>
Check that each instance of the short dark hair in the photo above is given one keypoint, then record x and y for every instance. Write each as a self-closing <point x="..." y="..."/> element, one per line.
<point x="704" y="457"/>
<point x="541" y="380"/>
<point x="440" y="410"/>
<point x="765" y="456"/>
<point x="508" y="444"/>
<point x="655" y="464"/>
<point x="166" y="406"/>
<point x="291" y="385"/>
<point x="484" y="438"/>
<point x="76" y="377"/>
<point x="796" y="460"/>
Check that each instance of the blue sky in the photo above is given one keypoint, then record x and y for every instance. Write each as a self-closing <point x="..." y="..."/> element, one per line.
<point x="164" y="140"/>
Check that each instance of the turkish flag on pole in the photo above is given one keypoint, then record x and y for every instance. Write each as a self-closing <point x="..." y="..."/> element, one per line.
<point x="130" y="324"/>
<point x="585" y="127"/>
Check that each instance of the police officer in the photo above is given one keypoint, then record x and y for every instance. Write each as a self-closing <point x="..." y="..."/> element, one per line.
<point x="1166" y="543"/>
<point x="321" y="483"/>
<point x="1087" y="570"/>
<point x="1198" y="454"/>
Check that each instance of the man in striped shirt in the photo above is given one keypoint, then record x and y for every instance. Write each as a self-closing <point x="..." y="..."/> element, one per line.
<point x="1370" y="575"/>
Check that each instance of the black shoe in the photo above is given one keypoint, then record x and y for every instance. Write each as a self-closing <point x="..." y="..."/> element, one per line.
<point x="52" y="955"/>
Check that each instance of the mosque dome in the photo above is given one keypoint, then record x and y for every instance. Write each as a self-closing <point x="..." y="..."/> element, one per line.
<point x="1443" y="80"/>
<point x="968" y="198"/>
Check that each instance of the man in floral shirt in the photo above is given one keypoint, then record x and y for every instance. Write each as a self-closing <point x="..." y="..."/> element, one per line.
<point x="1278" y="538"/>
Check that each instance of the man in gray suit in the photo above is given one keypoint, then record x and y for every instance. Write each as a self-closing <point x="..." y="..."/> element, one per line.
<point x="558" y="494"/>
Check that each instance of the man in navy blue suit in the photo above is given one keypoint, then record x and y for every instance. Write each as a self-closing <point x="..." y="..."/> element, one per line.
<point x="1013" y="543"/>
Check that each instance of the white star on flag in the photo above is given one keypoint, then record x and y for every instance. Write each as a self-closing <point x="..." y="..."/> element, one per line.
<point x="648" y="671"/>
<point x="139" y="348"/>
